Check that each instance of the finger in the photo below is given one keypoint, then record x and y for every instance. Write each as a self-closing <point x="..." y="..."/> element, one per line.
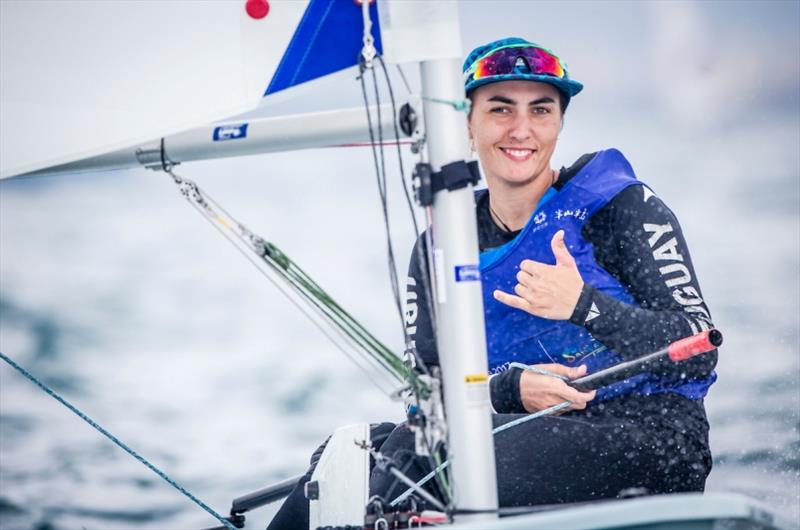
<point x="570" y="372"/>
<point x="511" y="300"/>
<point x="533" y="268"/>
<point x="580" y="398"/>
<point x="575" y="406"/>
<point x="523" y="291"/>
<point x="560" y="251"/>
<point x="556" y="368"/>
<point x="577" y="371"/>
<point x="525" y="278"/>
<point x="578" y="402"/>
<point x="583" y="403"/>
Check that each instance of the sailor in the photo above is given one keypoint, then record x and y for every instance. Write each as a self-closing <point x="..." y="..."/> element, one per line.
<point x="581" y="267"/>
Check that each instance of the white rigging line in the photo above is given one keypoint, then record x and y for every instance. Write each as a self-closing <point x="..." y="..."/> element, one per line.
<point x="342" y="344"/>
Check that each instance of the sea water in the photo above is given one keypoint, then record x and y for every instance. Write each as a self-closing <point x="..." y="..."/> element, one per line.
<point x="126" y="302"/>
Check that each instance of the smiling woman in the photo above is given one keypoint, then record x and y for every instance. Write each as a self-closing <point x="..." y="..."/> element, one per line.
<point x="592" y="257"/>
<point x="514" y="128"/>
<point x="578" y="269"/>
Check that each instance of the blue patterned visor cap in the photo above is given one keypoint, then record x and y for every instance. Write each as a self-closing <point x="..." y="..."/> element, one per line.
<point x="517" y="59"/>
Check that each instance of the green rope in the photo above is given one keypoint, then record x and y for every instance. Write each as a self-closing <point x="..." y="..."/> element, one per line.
<point x="335" y="313"/>
<point x="305" y="286"/>
<point x="461" y="105"/>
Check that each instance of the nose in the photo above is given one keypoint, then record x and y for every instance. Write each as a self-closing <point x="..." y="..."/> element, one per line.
<point x="521" y="129"/>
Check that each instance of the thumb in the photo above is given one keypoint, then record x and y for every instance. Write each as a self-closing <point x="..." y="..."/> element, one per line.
<point x="577" y="371"/>
<point x="560" y="251"/>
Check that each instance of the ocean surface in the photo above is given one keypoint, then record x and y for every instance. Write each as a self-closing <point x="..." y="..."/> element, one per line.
<point x="118" y="295"/>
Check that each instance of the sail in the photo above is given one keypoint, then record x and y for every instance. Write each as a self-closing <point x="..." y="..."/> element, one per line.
<point x="84" y="78"/>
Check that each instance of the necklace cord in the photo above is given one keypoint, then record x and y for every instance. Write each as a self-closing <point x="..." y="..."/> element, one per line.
<point x="505" y="226"/>
<point x="553" y="176"/>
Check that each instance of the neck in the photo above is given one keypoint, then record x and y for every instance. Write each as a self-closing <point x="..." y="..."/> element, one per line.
<point x="514" y="205"/>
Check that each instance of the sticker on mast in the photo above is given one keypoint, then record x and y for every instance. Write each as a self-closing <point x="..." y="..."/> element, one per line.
<point x="468" y="273"/>
<point x="230" y="132"/>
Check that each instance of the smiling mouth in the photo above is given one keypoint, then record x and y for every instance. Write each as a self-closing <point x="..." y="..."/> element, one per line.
<point x="518" y="155"/>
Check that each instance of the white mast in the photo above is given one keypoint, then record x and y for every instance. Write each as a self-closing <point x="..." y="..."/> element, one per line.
<point x="430" y="32"/>
<point x="461" y="336"/>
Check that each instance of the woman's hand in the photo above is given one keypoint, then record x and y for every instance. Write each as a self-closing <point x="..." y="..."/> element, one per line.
<point x="547" y="291"/>
<point x="539" y="392"/>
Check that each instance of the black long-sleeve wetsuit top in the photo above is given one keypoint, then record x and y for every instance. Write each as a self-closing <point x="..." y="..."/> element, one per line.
<point x="658" y="442"/>
<point x="635" y="238"/>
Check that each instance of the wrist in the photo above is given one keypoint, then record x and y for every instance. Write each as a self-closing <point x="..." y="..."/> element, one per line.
<point x="505" y="392"/>
<point x="583" y="307"/>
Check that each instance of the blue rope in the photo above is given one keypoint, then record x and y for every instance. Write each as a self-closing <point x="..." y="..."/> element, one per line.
<point x="550" y="410"/>
<point x="555" y="408"/>
<point x="539" y="414"/>
<point x="114" y="439"/>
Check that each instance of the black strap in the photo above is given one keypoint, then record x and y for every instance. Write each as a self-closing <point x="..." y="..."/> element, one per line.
<point x="455" y="175"/>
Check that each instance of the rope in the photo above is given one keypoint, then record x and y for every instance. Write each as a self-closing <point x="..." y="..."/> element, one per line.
<point x="423" y="269"/>
<point x="118" y="442"/>
<point x="519" y="421"/>
<point x="380" y="173"/>
<point x="536" y="370"/>
<point x="379" y="161"/>
<point x="303" y="288"/>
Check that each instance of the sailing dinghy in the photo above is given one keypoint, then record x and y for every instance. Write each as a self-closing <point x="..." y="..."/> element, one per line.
<point x="183" y="91"/>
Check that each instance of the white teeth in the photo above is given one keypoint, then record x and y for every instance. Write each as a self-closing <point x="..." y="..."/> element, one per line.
<point x="518" y="153"/>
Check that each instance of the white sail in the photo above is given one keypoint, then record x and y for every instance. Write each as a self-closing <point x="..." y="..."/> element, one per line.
<point x="83" y="90"/>
<point x="82" y="78"/>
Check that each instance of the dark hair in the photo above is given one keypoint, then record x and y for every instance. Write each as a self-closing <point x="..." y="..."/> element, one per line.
<point x="563" y="101"/>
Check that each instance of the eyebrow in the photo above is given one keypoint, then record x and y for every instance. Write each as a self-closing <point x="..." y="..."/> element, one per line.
<point x="508" y="101"/>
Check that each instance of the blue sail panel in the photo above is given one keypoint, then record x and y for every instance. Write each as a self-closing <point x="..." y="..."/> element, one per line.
<point x="329" y="38"/>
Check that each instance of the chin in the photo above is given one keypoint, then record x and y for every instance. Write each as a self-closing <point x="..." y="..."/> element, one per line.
<point x="520" y="176"/>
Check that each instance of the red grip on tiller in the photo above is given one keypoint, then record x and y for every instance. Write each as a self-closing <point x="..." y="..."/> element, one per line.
<point x="687" y="348"/>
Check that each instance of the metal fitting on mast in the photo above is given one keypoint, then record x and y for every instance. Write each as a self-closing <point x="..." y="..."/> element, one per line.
<point x="368" y="52"/>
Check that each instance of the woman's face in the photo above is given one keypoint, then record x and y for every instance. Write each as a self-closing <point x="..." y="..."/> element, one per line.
<point x="514" y="126"/>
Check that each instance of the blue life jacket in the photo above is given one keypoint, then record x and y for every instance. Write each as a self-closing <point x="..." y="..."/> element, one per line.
<point x="515" y="335"/>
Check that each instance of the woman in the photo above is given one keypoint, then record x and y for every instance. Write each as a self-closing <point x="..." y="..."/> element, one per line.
<point x="581" y="268"/>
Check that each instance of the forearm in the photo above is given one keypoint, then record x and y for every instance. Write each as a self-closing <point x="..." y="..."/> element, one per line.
<point x="642" y="245"/>
<point x="627" y="329"/>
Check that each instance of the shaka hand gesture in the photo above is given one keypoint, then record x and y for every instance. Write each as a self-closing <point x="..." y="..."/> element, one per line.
<point x="547" y="291"/>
